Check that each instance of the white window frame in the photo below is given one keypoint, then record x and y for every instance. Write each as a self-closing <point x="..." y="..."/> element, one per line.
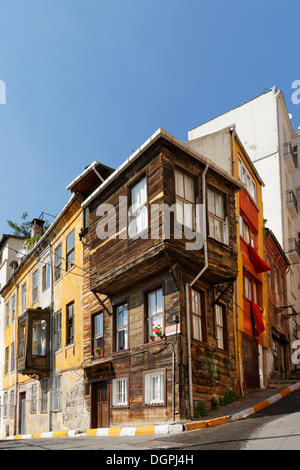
<point x="185" y="199"/>
<point x="35" y="286"/>
<point x="24" y="297"/>
<point x="44" y="388"/>
<point x="120" y="392"/>
<point x="33" y="399"/>
<point x="155" y="387"/>
<point x="138" y="213"/>
<point x="246" y="177"/>
<point x="220" y="332"/>
<point x="215" y="219"/>
<point x="56" y="405"/>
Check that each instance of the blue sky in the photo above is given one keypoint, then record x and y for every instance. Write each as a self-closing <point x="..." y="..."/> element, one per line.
<point x="93" y="79"/>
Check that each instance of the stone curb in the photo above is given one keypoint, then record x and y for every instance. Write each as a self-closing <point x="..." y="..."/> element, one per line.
<point x="123" y="431"/>
<point x="244" y="413"/>
<point x="165" y="428"/>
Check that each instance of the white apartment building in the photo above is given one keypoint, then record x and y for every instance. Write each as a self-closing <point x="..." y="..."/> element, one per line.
<point x="264" y="127"/>
<point x="10" y="247"/>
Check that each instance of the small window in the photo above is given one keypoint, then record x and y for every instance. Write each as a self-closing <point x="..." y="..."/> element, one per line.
<point x="21" y="339"/>
<point x="138" y="213"/>
<point x="122" y="327"/>
<point x="58" y="262"/>
<point x="155" y="320"/>
<point x="7" y="315"/>
<point x="97" y="327"/>
<point x="56" y="392"/>
<point x="218" y="227"/>
<point x="70" y="324"/>
<point x="35" y="286"/>
<point x="185" y="200"/>
<point x="46" y="276"/>
<point x="155" y="388"/>
<point x="247" y="288"/>
<point x="120" y="392"/>
<point x="39" y="337"/>
<point x="5" y="404"/>
<point x="13" y="308"/>
<point x="57" y="331"/>
<point x="11" y="404"/>
<point x="220" y="325"/>
<point x="33" y="398"/>
<point x="6" y="360"/>
<point x="24" y="299"/>
<point x="44" y="395"/>
<point x="198" y="316"/>
<point x="12" y="357"/>
<point x="70" y="250"/>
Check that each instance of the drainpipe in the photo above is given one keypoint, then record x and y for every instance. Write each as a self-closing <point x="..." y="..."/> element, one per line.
<point x="51" y="341"/>
<point x="189" y="285"/>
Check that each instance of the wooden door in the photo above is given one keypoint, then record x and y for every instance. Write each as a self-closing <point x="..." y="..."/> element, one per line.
<point x="250" y="362"/>
<point x="100" y="405"/>
<point x="22" y="413"/>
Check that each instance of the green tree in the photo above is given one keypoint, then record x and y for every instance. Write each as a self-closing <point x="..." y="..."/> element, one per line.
<point x="23" y="229"/>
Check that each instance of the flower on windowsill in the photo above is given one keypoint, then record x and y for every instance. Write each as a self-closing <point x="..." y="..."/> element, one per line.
<point x="156" y="332"/>
<point x="98" y="352"/>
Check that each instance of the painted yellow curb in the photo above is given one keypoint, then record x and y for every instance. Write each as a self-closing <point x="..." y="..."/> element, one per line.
<point x="198" y="425"/>
<point x="114" y="431"/>
<point x="285" y="392"/>
<point x="91" y="432"/>
<point x="18" y="437"/>
<point x="60" y="433"/>
<point x="144" y="431"/>
<point x="261" y="405"/>
<point x="217" y="421"/>
<point x="37" y="435"/>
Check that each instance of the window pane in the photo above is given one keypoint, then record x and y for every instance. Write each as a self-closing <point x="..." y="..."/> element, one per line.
<point x="179" y="211"/>
<point x="219" y="205"/>
<point x="197" y="328"/>
<point x="189" y="188"/>
<point x="179" y="188"/>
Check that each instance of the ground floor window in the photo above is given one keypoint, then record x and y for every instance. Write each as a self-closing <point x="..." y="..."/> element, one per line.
<point x="155" y="388"/>
<point x="33" y="398"/>
<point x="57" y="392"/>
<point x="120" y="392"/>
<point x="44" y="395"/>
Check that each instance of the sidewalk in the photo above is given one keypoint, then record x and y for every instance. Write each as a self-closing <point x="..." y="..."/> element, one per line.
<point x="251" y="403"/>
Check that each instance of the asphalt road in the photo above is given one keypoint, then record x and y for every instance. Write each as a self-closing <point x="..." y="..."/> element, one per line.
<point x="274" y="428"/>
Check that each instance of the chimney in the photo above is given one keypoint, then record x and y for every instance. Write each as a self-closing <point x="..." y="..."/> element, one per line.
<point x="14" y="265"/>
<point x="37" y="227"/>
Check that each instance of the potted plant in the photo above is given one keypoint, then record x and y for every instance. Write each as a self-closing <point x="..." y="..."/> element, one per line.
<point x="157" y="332"/>
<point x="98" y="352"/>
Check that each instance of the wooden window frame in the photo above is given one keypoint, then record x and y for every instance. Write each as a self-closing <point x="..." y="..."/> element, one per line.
<point x="24" y="291"/>
<point x="35" y="287"/>
<point x="68" y="342"/>
<point x="55" y="331"/>
<point x="33" y="398"/>
<point x="6" y="361"/>
<point x="178" y="169"/>
<point x="114" y="327"/>
<point x="138" y="178"/>
<point x="93" y="347"/>
<point x="7" y="314"/>
<point x="224" y="327"/>
<point x="202" y="316"/>
<point x="165" y="382"/>
<point x="146" y="336"/>
<point x="42" y="395"/>
<point x="46" y="276"/>
<point x="13" y="308"/>
<point x="13" y="357"/>
<point x="58" y="261"/>
<point x="56" y="393"/>
<point x="70" y="251"/>
<point x="225" y="221"/>
<point x="120" y="407"/>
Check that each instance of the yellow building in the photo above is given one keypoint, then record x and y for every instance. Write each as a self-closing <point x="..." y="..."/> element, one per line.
<point x="43" y="380"/>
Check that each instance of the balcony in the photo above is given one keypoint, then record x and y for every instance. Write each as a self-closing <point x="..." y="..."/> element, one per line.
<point x="290" y="157"/>
<point x="293" y="250"/>
<point x="292" y="204"/>
<point x="34" y="343"/>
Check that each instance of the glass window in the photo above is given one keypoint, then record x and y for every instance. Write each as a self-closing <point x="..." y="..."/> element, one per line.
<point x="13" y="308"/>
<point x="197" y="315"/>
<point x="12" y="357"/>
<point x="35" y="281"/>
<point x="218" y="228"/>
<point x="155" y="314"/>
<point x="154" y="388"/>
<point x="24" y="300"/>
<point x="7" y="315"/>
<point x="120" y="392"/>
<point x="219" y="309"/>
<point x="57" y="331"/>
<point x="185" y="199"/>
<point x="70" y="250"/>
<point x="58" y="262"/>
<point x="56" y="392"/>
<point x="247" y="179"/>
<point x="6" y="360"/>
<point x="98" y="342"/>
<point x="39" y="337"/>
<point x="5" y="404"/>
<point x="44" y="395"/>
<point x="70" y="323"/>
<point x="122" y="327"/>
<point x="247" y="287"/>
<point x="138" y="213"/>
<point x="46" y="276"/>
<point x="11" y="404"/>
<point x="33" y="398"/>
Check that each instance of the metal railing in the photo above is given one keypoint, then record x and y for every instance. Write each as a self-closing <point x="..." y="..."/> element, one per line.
<point x="288" y="151"/>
